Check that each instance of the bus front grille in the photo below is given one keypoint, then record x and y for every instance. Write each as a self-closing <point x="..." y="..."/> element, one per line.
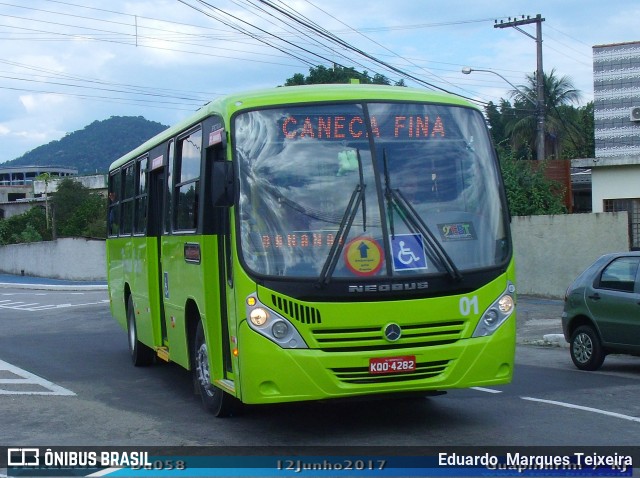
<point x="361" y="375"/>
<point x="297" y="311"/>
<point x="372" y="338"/>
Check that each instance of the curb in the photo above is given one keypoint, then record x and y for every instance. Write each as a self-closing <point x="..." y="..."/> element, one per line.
<point x="548" y="340"/>
<point x="67" y="287"/>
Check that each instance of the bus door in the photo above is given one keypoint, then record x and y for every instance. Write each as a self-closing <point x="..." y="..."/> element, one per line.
<point x="157" y="194"/>
<point x="216" y="222"/>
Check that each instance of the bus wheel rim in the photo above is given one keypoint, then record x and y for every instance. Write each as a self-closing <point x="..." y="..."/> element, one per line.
<point x="204" y="377"/>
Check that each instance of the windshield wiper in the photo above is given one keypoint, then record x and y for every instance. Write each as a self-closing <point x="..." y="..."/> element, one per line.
<point x="396" y="200"/>
<point x="357" y="198"/>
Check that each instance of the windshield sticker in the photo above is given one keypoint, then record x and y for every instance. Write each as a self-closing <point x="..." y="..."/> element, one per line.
<point x="458" y="231"/>
<point x="363" y="256"/>
<point x="408" y="252"/>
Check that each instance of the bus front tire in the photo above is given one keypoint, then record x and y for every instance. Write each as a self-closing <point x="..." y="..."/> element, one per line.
<point x="214" y="399"/>
<point x="141" y="355"/>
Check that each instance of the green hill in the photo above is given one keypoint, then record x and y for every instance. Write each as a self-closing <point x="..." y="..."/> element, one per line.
<point x="93" y="148"/>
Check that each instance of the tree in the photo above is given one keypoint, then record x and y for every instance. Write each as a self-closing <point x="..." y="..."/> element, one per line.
<point x="558" y="92"/>
<point x="580" y="142"/>
<point x="529" y="192"/>
<point x="78" y="211"/>
<point x="337" y="74"/>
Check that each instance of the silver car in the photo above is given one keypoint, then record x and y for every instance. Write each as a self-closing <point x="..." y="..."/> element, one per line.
<point x="602" y="310"/>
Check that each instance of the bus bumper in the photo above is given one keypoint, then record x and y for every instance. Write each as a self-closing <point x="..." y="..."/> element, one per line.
<point x="270" y="374"/>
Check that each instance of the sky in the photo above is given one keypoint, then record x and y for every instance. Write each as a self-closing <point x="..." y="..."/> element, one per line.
<point x="66" y="64"/>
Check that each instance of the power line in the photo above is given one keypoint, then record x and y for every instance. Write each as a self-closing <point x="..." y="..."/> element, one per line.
<point x="333" y="38"/>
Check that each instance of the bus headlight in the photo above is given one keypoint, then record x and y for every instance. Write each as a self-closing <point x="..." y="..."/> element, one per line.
<point x="506" y="304"/>
<point x="497" y="313"/>
<point x="258" y="316"/>
<point x="272" y="325"/>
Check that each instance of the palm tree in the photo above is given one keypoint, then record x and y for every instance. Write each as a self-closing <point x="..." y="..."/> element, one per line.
<point x="558" y="92"/>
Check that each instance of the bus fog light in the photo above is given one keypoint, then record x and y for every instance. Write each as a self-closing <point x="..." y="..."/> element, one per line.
<point x="280" y="330"/>
<point x="491" y="317"/>
<point x="505" y="304"/>
<point x="258" y="317"/>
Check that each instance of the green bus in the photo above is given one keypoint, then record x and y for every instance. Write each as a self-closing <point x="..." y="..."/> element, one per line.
<point x="316" y="242"/>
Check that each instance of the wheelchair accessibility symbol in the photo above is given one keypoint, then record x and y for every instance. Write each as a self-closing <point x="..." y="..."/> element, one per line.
<point x="408" y="252"/>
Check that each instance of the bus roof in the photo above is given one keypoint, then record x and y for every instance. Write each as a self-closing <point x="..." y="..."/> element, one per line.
<point x="230" y="104"/>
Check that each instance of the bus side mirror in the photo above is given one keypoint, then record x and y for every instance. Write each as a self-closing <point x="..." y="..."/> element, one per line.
<point x="222" y="185"/>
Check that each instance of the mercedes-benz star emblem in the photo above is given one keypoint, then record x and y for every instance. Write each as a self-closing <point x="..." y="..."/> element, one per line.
<point x="392" y="332"/>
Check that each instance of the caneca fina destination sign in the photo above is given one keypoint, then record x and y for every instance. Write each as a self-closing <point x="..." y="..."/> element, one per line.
<point x="349" y="127"/>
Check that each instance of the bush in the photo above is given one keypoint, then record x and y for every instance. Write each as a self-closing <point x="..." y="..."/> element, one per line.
<point x="30" y="226"/>
<point x="529" y="192"/>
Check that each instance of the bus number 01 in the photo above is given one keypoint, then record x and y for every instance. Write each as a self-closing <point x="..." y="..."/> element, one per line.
<point x="469" y="305"/>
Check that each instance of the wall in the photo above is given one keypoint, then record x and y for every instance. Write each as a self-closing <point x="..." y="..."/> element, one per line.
<point x="68" y="258"/>
<point x="550" y="252"/>
<point x="14" y="208"/>
<point x="614" y="183"/>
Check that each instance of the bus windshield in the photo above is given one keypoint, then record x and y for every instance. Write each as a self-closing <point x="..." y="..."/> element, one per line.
<point x="348" y="190"/>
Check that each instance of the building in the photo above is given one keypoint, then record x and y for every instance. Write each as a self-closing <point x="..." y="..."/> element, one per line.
<point x="16" y="186"/>
<point x="615" y="170"/>
<point x="25" y="175"/>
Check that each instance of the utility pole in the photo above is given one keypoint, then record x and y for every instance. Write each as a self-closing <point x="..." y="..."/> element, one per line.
<point x="515" y="23"/>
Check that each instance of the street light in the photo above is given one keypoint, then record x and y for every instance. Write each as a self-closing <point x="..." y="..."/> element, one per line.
<point x="540" y="123"/>
<point x="467" y="71"/>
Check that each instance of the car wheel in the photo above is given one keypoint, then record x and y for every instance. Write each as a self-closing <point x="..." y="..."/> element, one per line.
<point x="586" y="350"/>
<point x="214" y="399"/>
<point x="141" y="355"/>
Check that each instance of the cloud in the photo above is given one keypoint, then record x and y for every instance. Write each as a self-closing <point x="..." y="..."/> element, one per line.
<point x="87" y="53"/>
<point x="41" y="103"/>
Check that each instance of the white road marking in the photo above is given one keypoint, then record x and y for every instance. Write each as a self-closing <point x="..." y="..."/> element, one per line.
<point x="586" y="409"/>
<point x="28" y="378"/>
<point x="488" y="390"/>
<point x="34" y="307"/>
<point x="567" y="405"/>
<point x="21" y="307"/>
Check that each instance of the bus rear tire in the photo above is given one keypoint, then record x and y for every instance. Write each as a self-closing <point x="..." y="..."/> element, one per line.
<point x="214" y="399"/>
<point x="141" y="355"/>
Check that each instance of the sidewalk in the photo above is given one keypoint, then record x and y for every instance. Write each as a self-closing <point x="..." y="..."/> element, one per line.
<point x="538" y="319"/>
<point x="28" y="282"/>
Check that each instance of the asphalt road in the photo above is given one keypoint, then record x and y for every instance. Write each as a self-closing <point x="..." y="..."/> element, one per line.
<point x="66" y="379"/>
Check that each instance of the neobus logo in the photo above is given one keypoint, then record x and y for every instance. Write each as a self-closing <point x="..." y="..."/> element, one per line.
<point x="389" y="287"/>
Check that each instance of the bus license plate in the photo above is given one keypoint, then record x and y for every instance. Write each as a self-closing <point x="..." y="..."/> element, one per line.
<point x="392" y="364"/>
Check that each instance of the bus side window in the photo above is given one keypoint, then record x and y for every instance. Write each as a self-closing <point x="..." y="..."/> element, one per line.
<point x="188" y="181"/>
<point x="140" y="224"/>
<point x="126" y="226"/>
<point x="115" y="192"/>
<point x="168" y="202"/>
